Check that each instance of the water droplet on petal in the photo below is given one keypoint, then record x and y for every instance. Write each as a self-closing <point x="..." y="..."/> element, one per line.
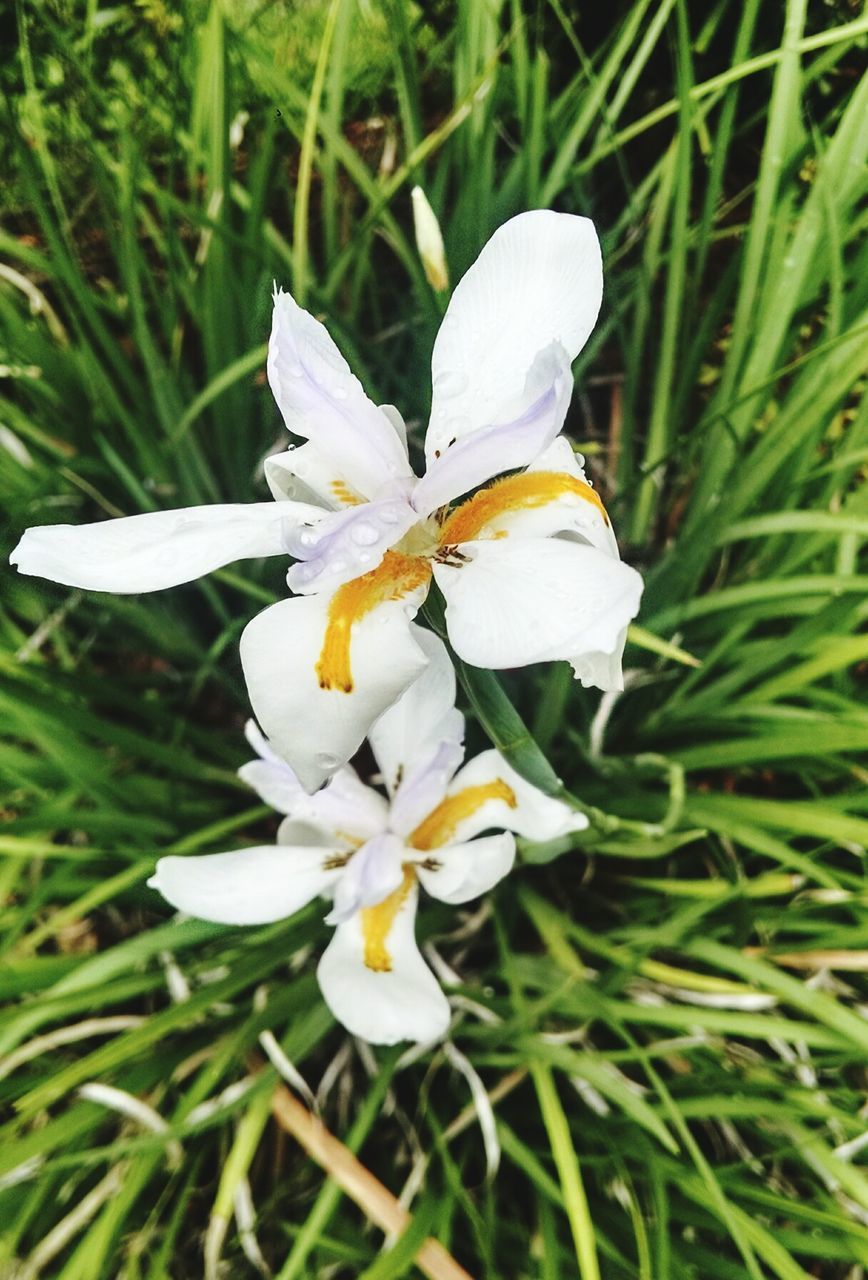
<point x="389" y="515"/>
<point x="340" y="393"/>
<point x="308" y="538"/>
<point x="450" y="383"/>
<point x="326" y="760"/>
<point x="364" y="534"/>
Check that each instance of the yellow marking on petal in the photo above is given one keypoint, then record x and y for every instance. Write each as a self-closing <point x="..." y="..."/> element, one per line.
<point x="442" y="822"/>
<point x="377" y="923"/>
<point x="526" y="491"/>
<point x="344" y="494"/>
<point x="393" y="578"/>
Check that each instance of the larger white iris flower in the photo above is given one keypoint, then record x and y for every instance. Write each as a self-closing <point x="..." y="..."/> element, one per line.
<point x="528" y="564"/>
<point x="369" y="854"/>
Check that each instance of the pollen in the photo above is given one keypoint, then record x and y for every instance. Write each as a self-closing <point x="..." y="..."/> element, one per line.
<point x="393" y="578"/>
<point x="442" y="822"/>
<point x="526" y="491"/>
<point x="377" y="923"/>
<point x="344" y="494"/>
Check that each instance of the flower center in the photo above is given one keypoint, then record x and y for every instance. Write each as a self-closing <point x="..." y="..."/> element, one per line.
<point x="526" y="491"/>
<point x="377" y="923"/>
<point x="408" y="566"/>
<point x="392" y="579"/>
<point x="442" y="823"/>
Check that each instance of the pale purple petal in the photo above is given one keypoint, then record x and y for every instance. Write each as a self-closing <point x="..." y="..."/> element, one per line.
<point x="489" y="451"/>
<point x="372" y="873"/>
<point x="421" y="791"/>
<point x="322" y="400"/>
<point x="346" y="544"/>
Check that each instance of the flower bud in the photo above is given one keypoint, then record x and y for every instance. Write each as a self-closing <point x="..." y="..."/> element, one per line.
<point x="429" y="241"/>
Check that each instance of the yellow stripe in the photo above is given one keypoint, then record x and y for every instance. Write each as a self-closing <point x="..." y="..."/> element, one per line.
<point x="395" y="577"/>
<point x="344" y="494"/>
<point x="442" y="822"/>
<point x="524" y="492"/>
<point x="377" y="923"/>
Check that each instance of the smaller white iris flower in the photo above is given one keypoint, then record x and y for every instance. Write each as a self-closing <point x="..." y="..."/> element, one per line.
<point x="370" y="854"/>
<point x="528" y="564"/>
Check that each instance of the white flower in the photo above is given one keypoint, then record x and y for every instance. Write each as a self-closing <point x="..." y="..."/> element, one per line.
<point x="528" y="565"/>
<point x="370" y="854"/>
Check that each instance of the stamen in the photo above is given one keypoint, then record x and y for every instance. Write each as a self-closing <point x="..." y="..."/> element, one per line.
<point x="393" y="578"/>
<point x="377" y="922"/>
<point x="344" y="494"/>
<point x="523" y="492"/>
<point x="442" y="822"/>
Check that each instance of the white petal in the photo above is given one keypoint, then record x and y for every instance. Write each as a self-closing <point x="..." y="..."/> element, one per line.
<point x="568" y="514"/>
<point x="310" y="836"/>
<point x="601" y="670"/>
<point x="346" y="544"/>
<point x="321" y="400"/>
<point x="345" y="807"/>
<point x="317" y="730"/>
<point x="529" y="425"/>
<point x="397" y="420"/>
<point x="249" y="886"/>
<point x="371" y="875"/>
<point x="384" y="1007"/>
<point x="533" y="600"/>
<point x="276" y="784"/>
<point x="456" y="873"/>
<point x="159" y="548"/>
<point x="534" y="815"/>
<point x="306" y="474"/>
<point x="408" y="735"/>
<point x="538" y="280"/>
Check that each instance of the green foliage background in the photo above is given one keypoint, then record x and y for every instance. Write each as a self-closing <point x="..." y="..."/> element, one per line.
<point x="670" y="1017"/>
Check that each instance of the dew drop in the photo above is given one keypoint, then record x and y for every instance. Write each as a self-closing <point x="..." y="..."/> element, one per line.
<point x="364" y="534"/>
<point x="389" y="515"/>
<point x="308" y="538"/>
<point x="340" y="393"/>
<point x="450" y="383"/>
<point x="326" y="760"/>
